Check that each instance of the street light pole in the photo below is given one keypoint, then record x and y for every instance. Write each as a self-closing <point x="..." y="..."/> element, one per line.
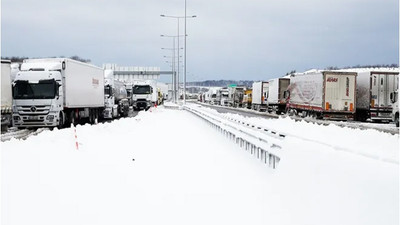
<point x="178" y="57"/>
<point x="184" y="78"/>
<point x="173" y="67"/>
<point x="184" y="83"/>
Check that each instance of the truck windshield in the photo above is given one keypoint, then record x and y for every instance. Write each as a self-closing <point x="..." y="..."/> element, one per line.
<point x="141" y="89"/>
<point x="45" y="89"/>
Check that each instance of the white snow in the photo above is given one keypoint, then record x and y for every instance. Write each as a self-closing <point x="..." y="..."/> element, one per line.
<point x="184" y="172"/>
<point x="371" y="143"/>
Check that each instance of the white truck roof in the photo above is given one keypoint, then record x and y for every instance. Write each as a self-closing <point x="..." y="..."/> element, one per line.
<point x="48" y="64"/>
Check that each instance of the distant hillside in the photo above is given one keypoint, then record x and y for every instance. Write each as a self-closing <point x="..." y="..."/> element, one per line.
<point x="220" y="83"/>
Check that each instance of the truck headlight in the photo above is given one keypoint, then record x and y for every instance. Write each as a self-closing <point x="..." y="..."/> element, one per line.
<point x="50" y="117"/>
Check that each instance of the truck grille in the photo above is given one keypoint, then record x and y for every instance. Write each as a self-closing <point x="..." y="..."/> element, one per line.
<point x="33" y="110"/>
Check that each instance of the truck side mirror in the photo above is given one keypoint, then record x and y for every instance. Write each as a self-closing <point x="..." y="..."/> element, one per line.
<point x="58" y="90"/>
<point x="393" y="97"/>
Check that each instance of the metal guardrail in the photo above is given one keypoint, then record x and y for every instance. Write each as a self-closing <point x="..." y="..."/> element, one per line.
<point x="267" y="133"/>
<point x="264" y="144"/>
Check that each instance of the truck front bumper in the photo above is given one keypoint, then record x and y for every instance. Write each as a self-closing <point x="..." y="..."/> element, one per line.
<point x="49" y="120"/>
<point x="142" y="104"/>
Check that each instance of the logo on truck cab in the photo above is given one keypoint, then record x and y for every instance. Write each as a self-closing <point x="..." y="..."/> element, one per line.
<point x="332" y="79"/>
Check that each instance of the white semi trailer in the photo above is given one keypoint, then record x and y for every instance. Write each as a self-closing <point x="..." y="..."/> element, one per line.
<point x="212" y="96"/>
<point x="374" y="87"/>
<point x="259" y="96"/>
<point x="223" y="96"/>
<point x="116" y="102"/>
<point x="323" y="94"/>
<point x="6" y="95"/>
<point x="144" y="94"/>
<point x="236" y="94"/>
<point x="57" y="91"/>
<point x="276" y="100"/>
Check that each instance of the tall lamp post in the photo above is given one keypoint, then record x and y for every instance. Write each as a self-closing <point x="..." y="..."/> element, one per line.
<point x="177" y="18"/>
<point x="176" y="89"/>
<point x="173" y="67"/>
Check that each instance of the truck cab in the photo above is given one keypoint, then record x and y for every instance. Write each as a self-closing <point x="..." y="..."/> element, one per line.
<point x="142" y="93"/>
<point x="37" y="98"/>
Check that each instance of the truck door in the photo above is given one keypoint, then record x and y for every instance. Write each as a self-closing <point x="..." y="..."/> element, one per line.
<point x="340" y="92"/>
<point x="383" y="90"/>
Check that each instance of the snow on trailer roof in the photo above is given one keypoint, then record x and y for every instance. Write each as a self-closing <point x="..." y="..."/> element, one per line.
<point x="372" y="69"/>
<point x="50" y="63"/>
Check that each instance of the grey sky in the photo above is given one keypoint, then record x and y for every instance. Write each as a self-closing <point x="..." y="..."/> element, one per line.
<point x="229" y="39"/>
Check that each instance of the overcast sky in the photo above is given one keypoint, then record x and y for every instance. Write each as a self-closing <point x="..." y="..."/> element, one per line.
<point x="229" y="39"/>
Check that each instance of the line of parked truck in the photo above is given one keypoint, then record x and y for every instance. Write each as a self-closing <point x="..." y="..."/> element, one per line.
<point x="55" y="92"/>
<point x="353" y="94"/>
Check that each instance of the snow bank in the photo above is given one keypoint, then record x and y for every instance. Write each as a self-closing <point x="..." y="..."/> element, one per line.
<point x="169" y="167"/>
<point x="369" y="143"/>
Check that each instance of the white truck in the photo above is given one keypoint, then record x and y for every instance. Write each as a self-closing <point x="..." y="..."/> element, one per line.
<point x="6" y="95"/>
<point x="323" y="94"/>
<point x="374" y="87"/>
<point x="223" y="96"/>
<point x="276" y="100"/>
<point x="394" y="97"/>
<point x="116" y="102"/>
<point x="144" y="94"/>
<point x="56" y="92"/>
<point x="212" y="96"/>
<point x="236" y="94"/>
<point x="259" y="96"/>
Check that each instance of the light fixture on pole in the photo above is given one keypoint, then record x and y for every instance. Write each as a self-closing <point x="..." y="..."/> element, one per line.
<point x="178" y="35"/>
<point x="173" y="68"/>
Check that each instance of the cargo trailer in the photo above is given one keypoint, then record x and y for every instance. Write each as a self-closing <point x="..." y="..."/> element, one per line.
<point x="323" y="94"/>
<point x="259" y="96"/>
<point x="276" y="101"/>
<point x="6" y="95"/>
<point x="374" y="87"/>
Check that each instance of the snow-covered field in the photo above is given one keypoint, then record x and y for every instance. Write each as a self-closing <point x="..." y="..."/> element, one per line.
<point x="169" y="167"/>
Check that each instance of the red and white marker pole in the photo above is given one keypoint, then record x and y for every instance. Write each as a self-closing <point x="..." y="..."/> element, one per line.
<point x="76" y="138"/>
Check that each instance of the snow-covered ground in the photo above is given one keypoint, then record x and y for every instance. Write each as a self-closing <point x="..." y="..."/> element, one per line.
<point x="169" y="167"/>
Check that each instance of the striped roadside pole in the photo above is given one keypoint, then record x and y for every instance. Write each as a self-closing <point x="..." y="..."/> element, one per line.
<point x="76" y="137"/>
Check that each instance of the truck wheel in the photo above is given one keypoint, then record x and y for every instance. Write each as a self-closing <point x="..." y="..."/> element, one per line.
<point x="95" y="116"/>
<point x="396" y="120"/>
<point x="61" y="121"/>
<point x="91" y="116"/>
<point x="72" y="118"/>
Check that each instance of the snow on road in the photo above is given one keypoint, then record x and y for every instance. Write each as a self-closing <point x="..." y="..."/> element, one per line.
<point x="169" y="167"/>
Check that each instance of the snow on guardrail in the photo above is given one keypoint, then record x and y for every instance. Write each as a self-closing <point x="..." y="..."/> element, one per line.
<point x="265" y="145"/>
<point x="366" y="143"/>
